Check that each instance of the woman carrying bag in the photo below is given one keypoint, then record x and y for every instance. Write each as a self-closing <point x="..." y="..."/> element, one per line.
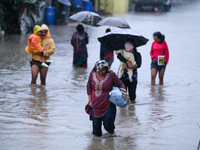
<point x="99" y="107"/>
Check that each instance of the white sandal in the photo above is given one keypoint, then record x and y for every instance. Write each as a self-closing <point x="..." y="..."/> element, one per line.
<point x="44" y="65"/>
<point x="49" y="60"/>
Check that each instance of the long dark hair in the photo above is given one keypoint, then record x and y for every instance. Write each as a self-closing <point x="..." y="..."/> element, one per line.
<point x="160" y="36"/>
<point x="108" y="30"/>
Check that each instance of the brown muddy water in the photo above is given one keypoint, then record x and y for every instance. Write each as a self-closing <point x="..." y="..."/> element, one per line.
<point x="53" y="117"/>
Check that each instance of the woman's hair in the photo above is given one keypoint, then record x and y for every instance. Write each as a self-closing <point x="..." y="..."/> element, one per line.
<point x="79" y="27"/>
<point x="160" y="36"/>
<point x="108" y="30"/>
<point x="133" y="43"/>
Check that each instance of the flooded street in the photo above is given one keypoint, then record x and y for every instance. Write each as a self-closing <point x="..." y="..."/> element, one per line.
<point x="53" y="117"/>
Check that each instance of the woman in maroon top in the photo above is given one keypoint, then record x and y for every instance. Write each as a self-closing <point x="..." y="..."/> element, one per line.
<point x="98" y="87"/>
<point x="159" y="48"/>
<point x="79" y="41"/>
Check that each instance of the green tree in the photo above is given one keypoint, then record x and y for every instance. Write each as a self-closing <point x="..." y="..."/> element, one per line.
<point x="2" y="14"/>
<point x="3" y="8"/>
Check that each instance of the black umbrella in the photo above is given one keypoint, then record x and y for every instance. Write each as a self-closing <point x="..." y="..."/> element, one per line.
<point x="116" y="39"/>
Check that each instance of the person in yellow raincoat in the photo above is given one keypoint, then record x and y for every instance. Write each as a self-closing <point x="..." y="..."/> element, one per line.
<point x="34" y="41"/>
<point x="49" y="46"/>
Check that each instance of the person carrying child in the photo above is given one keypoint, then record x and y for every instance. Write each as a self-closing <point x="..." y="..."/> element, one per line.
<point x="48" y="44"/>
<point x="34" y="41"/>
<point x="131" y="86"/>
<point x="127" y="54"/>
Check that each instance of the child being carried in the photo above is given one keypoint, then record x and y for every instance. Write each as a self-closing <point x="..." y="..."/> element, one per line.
<point x="128" y="54"/>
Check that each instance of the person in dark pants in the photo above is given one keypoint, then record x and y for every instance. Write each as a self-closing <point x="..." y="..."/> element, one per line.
<point x="131" y="86"/>
<point x="99" y="107"/>
<point x="107" y="54"/>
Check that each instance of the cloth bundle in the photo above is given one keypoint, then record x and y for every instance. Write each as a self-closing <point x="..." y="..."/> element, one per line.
<point x="118" y="97"/>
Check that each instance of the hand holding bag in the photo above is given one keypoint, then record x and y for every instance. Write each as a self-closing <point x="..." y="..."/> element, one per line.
<point x="118" y="97"/>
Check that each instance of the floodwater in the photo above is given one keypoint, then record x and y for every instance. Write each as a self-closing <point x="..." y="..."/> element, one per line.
<point x="53" y="117"/>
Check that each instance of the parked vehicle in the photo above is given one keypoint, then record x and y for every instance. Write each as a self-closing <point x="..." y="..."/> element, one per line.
<point x="152" y="5"/>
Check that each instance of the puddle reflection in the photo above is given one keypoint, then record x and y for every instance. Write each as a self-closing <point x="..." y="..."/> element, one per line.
<point x="101" y="143"/>
<point x="37" y="103"/>
<point x="79" y="75"/>
<point x="157" y="106"/>
<point x="130" y="115"/>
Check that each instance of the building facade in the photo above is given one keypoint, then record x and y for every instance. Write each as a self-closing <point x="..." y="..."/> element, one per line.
<point x="112" y="6"/>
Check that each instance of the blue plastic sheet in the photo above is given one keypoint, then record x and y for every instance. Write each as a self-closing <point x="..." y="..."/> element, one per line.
<point x="115" y="96"/>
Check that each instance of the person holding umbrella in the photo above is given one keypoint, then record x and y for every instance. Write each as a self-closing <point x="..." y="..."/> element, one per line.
<point x="106" y="54"/>
<point x="79" y="41"/>
<point x="159" y="48"/>
<point x="115" y="40"/>
<point x="131" y="85"/>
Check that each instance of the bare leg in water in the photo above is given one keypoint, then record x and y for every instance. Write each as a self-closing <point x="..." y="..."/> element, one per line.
<point x="43" y="74"/>
<point x="34" y="70"/>
<point x="153" y="75"/>
<point x="161" y="76"/>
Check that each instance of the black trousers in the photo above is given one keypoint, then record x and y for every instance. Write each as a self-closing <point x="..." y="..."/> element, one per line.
<point x="108" y="121"/>
<point x="131" y="86"/>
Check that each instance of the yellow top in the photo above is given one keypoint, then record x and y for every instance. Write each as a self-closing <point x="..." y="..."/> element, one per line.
<point x="47" y="43"/>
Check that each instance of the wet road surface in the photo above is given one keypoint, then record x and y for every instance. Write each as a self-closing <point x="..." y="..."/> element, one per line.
<point x="53" y="117"/>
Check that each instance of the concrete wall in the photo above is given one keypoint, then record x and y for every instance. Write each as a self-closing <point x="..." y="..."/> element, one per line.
<point x="112" y="6"/>
<point x="121" y="6"/>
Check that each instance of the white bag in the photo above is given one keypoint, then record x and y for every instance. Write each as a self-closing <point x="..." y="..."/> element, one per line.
<point x="115" y="96"/>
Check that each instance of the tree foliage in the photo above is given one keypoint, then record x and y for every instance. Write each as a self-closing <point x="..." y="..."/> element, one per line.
<point x="2" y="13"/>
<point x="3" y="7"/>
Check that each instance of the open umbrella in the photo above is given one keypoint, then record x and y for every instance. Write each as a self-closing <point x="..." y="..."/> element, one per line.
<point x="114" y="21"/>
<point x="87" y="17"/>
<point x="116" y="39"/>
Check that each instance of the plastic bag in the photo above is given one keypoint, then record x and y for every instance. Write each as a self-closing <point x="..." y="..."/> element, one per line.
<point x="116" y="97"/>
